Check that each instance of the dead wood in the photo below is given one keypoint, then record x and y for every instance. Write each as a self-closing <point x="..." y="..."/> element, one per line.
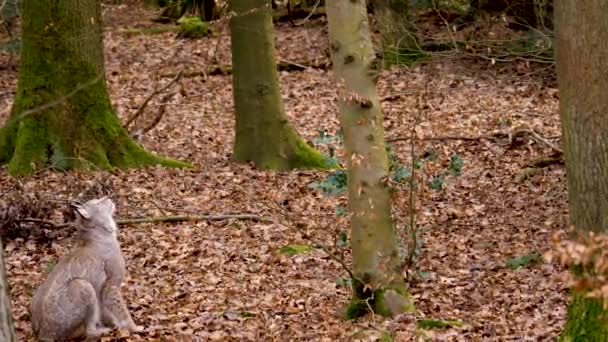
<point x="140" y="110"/>
<point x="225" y="70"/>
<point x="510" y="136"/>
<point x="154" y="219"/>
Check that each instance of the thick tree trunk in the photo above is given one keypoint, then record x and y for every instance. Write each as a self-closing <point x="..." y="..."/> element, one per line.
<point x="377" y="263"/>
<point x="398" y="32"/>
<point x="62" y="116"/>
<point x="7" y="331"/>
<point x="582" y="69"/>
<point x="263" y="133"/>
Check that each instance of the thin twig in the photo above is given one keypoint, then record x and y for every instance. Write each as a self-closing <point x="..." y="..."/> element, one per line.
<point x="312" y="11"/>
<point x="154" y="93"/>
<point x="161" y="111"/>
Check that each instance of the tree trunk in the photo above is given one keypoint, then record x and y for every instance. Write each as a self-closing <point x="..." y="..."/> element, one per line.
<point x="263" y="132"/>
<point x="582" y="70"/>
<point x="7" y="330"/>
<point x="398" y="32"/>
<point x="62" y="116"/>
<point x="377" y="263"/>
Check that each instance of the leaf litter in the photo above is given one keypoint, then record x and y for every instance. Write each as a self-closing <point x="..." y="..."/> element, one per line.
<point x="226" y="280"/>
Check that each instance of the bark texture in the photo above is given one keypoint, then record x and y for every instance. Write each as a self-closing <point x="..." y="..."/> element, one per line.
<point x="582" y="69"/>
<point x="263" y="132"/>
<point x="62" y="117"/>
<point x="377" y="263"/>
<point x="7" y="330"/>
<point x="398" y="33"/>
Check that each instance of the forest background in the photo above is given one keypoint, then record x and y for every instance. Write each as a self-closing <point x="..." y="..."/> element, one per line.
<point x="477" y="92"/>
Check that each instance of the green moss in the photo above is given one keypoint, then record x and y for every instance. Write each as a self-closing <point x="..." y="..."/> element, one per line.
<point x="364" y="299"/>
<point x="304" y="156"/>
<point x="428" y="324"/>
<point x="7" y="142"/>
<point x="193" y="27"/>
<point x="291" y="250"/>
<point x="66" y="138"/>
<point x="587" y="320"/>
<point x="30" y="147"/>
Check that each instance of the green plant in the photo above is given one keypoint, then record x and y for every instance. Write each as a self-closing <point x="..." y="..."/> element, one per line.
<point x="334" y="184"/>
<point x="456" y="164"/>
<point x="344" y="282"/>
<point x="437" y="182"/>
<point x="524" y="260"/>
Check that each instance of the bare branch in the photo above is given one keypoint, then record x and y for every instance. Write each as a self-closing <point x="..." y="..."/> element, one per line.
<point x="492" y="137"/>
<point x="154" y="93"/>
<point x="153" y="219"/>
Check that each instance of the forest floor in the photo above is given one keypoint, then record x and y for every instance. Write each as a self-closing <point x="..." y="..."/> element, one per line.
<point x="227" y="280"/>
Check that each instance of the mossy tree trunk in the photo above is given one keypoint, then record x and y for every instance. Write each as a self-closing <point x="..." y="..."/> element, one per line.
<point x="398" y="31"/>
<point x="582" y="70"/>
<point x="7" y="329"/>
<point x="175" y="9"/>
<point x="263" y="132"/>
<point x="377" y="263"/>
<point x="62" y="116"/>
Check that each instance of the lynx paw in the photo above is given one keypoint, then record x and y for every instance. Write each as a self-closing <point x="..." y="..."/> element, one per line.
<point x="136" y="328"/>
<point x="98" y="331"/>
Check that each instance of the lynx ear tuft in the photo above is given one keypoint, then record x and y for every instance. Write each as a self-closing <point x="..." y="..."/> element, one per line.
<point x="79" y="210"/>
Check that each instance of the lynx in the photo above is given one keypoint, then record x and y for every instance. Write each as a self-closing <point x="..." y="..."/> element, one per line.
<point x="81" y="296"/>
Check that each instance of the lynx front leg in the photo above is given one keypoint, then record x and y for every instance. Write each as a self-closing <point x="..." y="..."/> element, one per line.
<point x="84" y="306"/>
<point x="115" y="311"/>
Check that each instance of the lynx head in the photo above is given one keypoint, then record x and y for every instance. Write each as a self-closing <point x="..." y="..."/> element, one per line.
<point x="95" y="216"/>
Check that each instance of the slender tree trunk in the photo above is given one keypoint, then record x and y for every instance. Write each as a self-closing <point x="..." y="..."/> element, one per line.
<point x="263" y="132"/>
<point x="62" y="116"/>
<point x="377" y="263"/>
<point x="582" y="69"/>
<point x="7" y="330"/>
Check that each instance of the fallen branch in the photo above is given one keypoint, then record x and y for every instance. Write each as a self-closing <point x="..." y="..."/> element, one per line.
<point x="179" y="218"/>
<point x="546" y="161"/>
<point x="225" y="70"/>
<point x="148" y="31"/>
<point x="147" y="100"/>
<point x="182" y="218"/>
<point x="492" y="137"/>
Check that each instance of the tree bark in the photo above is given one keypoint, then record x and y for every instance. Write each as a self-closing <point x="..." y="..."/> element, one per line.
<point x="62" y="116"/>
<point x="582" y="69"/>
<point x="377" y="262"/>
<point x="399" y="41"/>
<point x="263" y="132"/>
<point x="7" y="329"/>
